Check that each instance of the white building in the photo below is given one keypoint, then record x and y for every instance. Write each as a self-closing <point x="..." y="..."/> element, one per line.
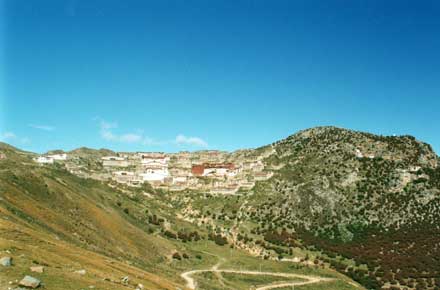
<point x="147" y="158"/>
<point x="216" y="170"/>
<point x="154" y="174"/>
<point x="49" y="159"/>
<point x="264" y="175"/>
<point x="114" y="161"/>
<point x="246" y="184"/>
<point x="358" y="153"/>
<point x="155" y="166"/>
<point x="123" y="176"/>
<point x="127" y="177"/>
<point x="180" y="179"/>
<point x="44" y="160"/>
<point x="58" y="156"/>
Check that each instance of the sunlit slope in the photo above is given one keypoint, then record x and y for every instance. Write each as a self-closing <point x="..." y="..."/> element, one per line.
<point x="62" y="261"/>
<point x="53" y="217"/>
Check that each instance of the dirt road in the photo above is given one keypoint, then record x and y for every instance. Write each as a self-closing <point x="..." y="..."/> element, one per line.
<point x="191" y="283"/>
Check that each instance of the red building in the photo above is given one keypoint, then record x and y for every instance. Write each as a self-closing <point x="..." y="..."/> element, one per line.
<point x="222" y="168"/>
<point x="198" y="169"/>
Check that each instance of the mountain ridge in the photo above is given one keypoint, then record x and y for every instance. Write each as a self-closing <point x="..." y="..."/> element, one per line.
<point x="303" y="132"/>
<point x="365" y="205"/>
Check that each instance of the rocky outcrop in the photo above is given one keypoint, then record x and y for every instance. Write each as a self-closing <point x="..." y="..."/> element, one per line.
<point x="37" y="269"/>
<point x="30" y="282"/>
<point x="6" y="261"/>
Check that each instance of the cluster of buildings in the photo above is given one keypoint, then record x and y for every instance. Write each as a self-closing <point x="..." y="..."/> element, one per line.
<point x="209" y="171"/>
<point x="49" y="159"/>
<point x="136" y="168"/>
<point x="215" y="169"/>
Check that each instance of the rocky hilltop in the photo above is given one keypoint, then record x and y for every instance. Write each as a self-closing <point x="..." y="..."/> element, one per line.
<point x="372" y="198"/>
<point x="329" y="176"/>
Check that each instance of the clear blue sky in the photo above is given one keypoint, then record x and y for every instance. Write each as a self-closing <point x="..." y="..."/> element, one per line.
<point x="172" y="75"/>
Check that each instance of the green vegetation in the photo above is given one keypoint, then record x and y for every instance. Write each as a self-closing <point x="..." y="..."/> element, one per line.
<point x="351" y="206"/>
<point x="68" y="223"/>
<point x="365" y="205"/>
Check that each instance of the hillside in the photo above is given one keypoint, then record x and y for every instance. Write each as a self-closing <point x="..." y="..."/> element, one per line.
<point x="368" y="205"/>
<point x="96" y="234"/>
<point x="49" y="216"/>
<point x="332" y="201"/>
<point x="372" y="198"/>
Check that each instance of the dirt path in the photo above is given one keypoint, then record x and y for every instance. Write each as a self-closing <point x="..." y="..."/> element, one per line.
<point x="191" y="283"/>
<point x="310" y="280"/>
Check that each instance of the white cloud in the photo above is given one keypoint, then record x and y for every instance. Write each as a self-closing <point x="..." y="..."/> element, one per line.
<point x="12" y="137"/>
<point x="193" y="141"/>
<point x="42" y="127"/>
<point x="147" y="141"/>
<point x="108" y="125"/>
<point x="107" y="133"/>
<point x="130" y="138"/>
<point x="9" y="135"/>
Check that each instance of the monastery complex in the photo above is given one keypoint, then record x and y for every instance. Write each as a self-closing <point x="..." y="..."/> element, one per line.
<point x="210" y="171"/>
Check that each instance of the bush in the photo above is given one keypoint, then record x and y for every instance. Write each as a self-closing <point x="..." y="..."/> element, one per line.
<point x="218" y="239"/>
<point x="170" y="234"/>
<point x="177" y="256"/>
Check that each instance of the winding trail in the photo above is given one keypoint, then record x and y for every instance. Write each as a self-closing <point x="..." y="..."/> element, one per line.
<point x="191" y="283"/>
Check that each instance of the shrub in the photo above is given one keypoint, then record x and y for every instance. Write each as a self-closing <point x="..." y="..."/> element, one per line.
<point x="170" y="234"/>
<point x="177" y="256"/>
<point x="218" y="239"/>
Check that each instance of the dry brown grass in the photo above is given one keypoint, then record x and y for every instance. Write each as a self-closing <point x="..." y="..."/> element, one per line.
<point x="28" y="247"/>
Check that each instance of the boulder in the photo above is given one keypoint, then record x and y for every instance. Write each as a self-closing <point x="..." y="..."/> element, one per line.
<point x="37" y="269"/>
<point x="6" y="261"/>
<point x="30" y="282"/>
<point x="81" y="272"/>
<point x="125" y="280"/>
